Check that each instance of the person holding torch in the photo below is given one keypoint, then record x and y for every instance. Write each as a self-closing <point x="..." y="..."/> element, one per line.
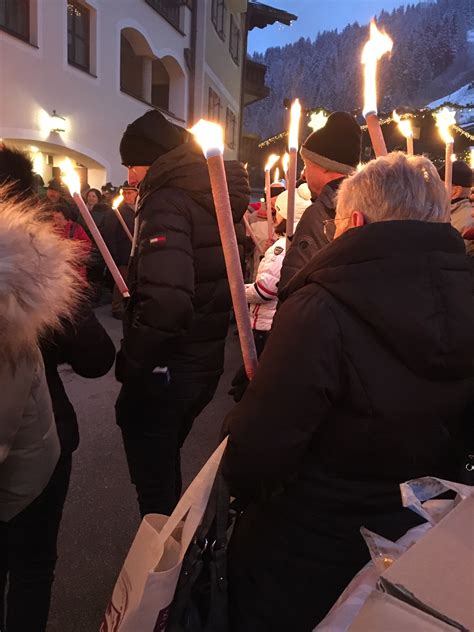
<point x="175" y="324"/>
<point x="330" y="154"/>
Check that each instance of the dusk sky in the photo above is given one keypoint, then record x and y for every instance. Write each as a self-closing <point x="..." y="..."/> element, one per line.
<point x="315" y="16"/>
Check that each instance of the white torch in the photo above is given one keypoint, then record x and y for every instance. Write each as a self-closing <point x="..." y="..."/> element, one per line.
<point x="211" y="138"/>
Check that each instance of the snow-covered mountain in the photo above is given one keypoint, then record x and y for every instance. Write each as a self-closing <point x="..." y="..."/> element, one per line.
<point x="464" y="96"/>
<point x="433" y="54"/>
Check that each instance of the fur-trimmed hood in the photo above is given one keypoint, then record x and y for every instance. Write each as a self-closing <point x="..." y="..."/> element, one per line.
<point x="39" y="281"/>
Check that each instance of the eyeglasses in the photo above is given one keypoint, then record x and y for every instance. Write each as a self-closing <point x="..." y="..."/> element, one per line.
<point x="329" y="226"/>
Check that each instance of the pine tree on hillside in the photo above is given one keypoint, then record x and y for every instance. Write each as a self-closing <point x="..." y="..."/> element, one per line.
<point x="326" y="72"/>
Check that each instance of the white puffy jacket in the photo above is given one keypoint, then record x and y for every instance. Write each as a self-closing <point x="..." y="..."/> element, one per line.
<point x="262" y="295"/>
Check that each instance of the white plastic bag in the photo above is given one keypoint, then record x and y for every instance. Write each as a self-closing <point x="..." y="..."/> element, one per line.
<point x="147" y="582"/>
<point x="417" y="495"/>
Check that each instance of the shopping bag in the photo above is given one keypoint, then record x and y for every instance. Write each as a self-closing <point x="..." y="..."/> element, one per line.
<point x="419" y="495"/>
<point x="200" y="602"/>
<point x="145" y="587"/>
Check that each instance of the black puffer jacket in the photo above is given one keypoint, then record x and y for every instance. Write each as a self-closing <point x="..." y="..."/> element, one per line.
<point x="309" y="235"/>
<point x="178" y="313"/>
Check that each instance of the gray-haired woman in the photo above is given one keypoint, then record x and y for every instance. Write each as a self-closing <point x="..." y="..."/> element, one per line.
<point x="37" y="277"/>
<point x="366" y="381"/>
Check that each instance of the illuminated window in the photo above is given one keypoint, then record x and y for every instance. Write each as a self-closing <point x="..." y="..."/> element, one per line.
<point x="218" y="13"/>
<point x="15" y="18"/>
<point x="214" y="106"/>
<point x="230" y="128"/>
<point x="78" y="28"/>
<point x="234" y="40"/>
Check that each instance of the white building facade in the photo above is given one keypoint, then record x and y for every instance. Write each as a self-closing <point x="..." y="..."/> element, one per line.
<point x="74" y="73"/>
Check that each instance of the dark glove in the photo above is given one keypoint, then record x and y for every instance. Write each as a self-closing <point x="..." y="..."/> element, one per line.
<point x="239" y="384"/>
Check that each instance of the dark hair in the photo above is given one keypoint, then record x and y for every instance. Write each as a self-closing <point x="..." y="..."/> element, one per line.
<point x="280" y="229"/>
<point x="16" y="171"/>
<point x="61" y="208"/>
<point x="97" y="192"/>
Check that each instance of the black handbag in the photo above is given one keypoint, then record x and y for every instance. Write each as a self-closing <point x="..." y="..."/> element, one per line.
<point x="200" y="603"/>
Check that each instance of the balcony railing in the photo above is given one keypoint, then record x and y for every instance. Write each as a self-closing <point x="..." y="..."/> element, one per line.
<point x="169" y="9"/>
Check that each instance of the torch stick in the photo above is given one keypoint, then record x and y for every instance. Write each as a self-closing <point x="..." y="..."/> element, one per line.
<point x="445" y="118"/>
<point x="210" y="137"/>
<point x="404" y="125"/>
<point x="268" y="194"/>
<point x="252" y="235"/>
<point x="292" y="166"/>
<point x="285" y="161"/>
<point x="71" y="179"/>
<point x="376" y="134"/>
<point x="378" y="44"/>
<point x="118" y="200"/>
<point x="448" y="170"/>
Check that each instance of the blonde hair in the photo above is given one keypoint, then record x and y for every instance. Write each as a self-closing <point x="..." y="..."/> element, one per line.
<point x="395" y="187"/>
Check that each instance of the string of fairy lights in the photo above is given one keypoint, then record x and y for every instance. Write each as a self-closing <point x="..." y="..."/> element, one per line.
<point x="319" y="115"/>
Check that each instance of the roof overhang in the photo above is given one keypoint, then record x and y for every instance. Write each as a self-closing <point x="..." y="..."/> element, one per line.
<point x="260" y="15"/>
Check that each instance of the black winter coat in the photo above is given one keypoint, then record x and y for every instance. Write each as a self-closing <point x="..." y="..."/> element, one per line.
<point x="309" y="235"/>
<point x="178" y="313"/>
<point x="366" y="382"/>
<point x="88" y="349"/>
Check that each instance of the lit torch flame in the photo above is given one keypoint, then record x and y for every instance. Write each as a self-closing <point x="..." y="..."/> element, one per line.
<point x="445" y="118"/>
<point x="118" y="200"/>
<point x="376" y="47"/>
<point x="210" y="136"/>
<point x="272" y="160"/>
<point x="285" y="161"/>
<point x="70" y="176"/>
<point x="404" y="125"/>
<point x="295" y="116"/>
<point x="276" y="177"/>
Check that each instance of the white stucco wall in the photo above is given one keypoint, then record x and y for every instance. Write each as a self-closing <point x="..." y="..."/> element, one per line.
<point x="37" y="80"/>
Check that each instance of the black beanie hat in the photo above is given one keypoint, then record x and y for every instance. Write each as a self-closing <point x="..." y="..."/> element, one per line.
<point x="276" y="189"/>
<point x="336" y="146"/>
<point x="148" y="138"/>
<point x="462" y="174"/>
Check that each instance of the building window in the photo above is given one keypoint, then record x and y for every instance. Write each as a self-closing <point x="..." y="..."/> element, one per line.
<point x="160" y="87"/>
<point x="230" y="128"/>
<point x="131" y="69"/>
<point x="169" y="9"/>
<point x="78" y="28"/>
<point x="234" y="40"/>
<point x="218" y="13"/>
<point x="214" y="108"/>
<point x="15" y="18"/>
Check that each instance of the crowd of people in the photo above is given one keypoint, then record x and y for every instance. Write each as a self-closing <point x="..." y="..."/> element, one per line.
<point x="363" y="327"/>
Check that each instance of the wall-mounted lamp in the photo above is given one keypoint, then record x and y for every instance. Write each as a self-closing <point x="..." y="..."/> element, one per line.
<point x="57" y="123"/>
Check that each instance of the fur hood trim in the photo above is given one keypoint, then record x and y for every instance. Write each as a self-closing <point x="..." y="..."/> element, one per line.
<point x="39" y="279"/>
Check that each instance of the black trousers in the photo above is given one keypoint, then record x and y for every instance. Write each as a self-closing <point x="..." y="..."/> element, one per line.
<point x="155" y="420"/>
<point x="28" y="555"/>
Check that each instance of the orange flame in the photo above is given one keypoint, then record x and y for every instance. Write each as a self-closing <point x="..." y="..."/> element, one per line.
<point x="295" y="117"/>
<point x="70" y="176"/>
<point x="445" y="118"/>
<point x="404" y="125"/>
<point x="376" y="47"/>
<point x="210" y="136"/>
<point x="118" y="200"/>
<point x="272" y="160"/>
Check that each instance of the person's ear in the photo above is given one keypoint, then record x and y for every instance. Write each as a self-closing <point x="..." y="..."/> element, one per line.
<point x="357" y="219"/>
